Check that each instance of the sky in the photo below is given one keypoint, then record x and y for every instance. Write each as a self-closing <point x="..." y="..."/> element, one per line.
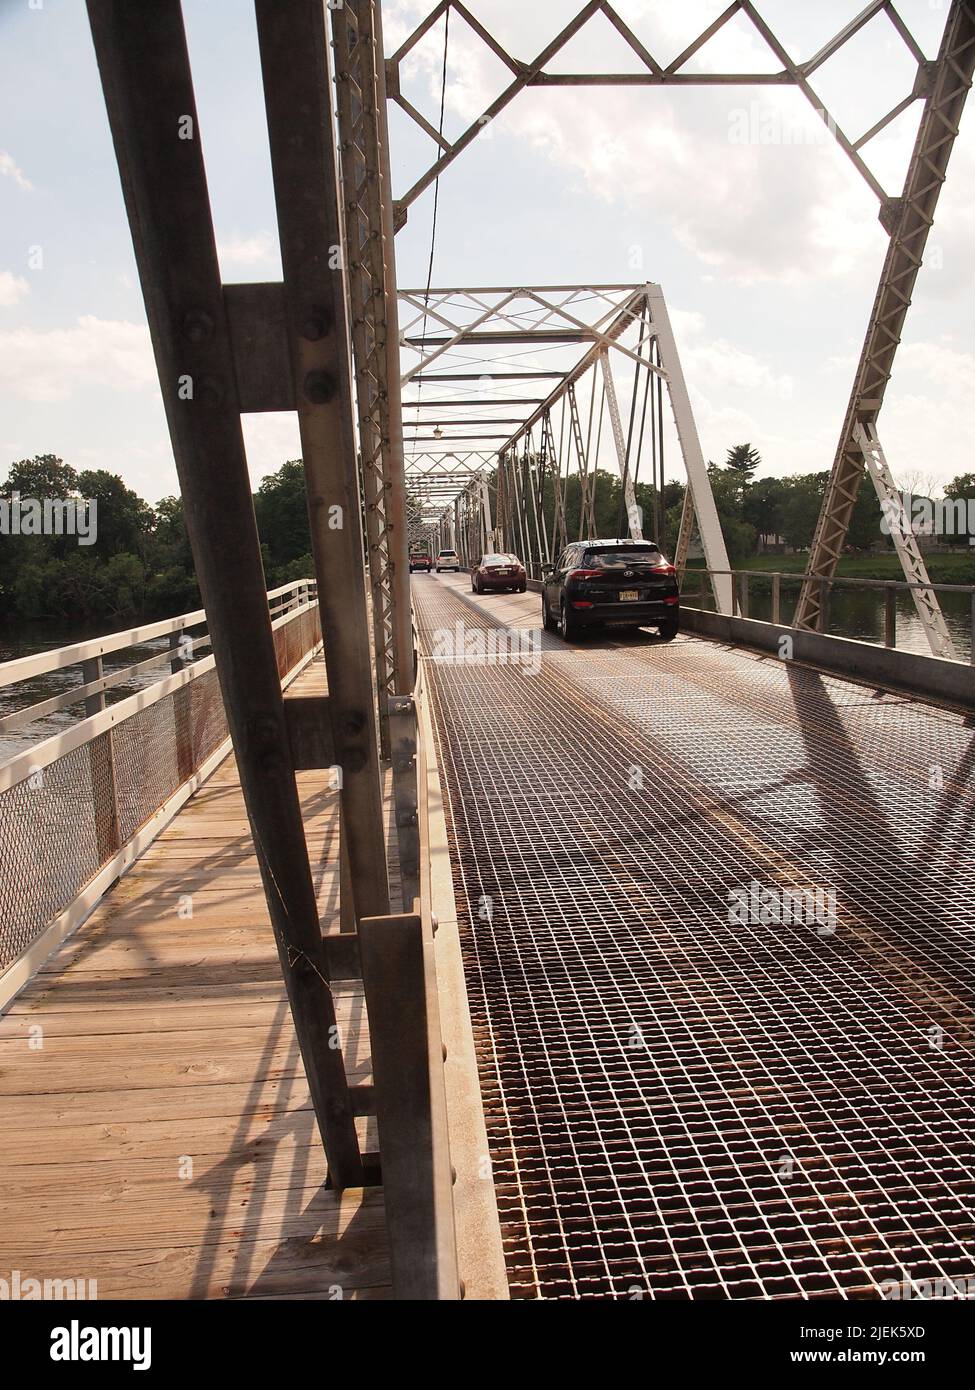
<point x="735" y="199"/>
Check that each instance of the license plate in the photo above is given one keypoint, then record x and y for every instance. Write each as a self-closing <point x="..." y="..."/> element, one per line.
<point x="629" y="595"/>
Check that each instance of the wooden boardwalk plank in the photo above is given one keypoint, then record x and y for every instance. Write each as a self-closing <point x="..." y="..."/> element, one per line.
<point x="158" y="1133"/>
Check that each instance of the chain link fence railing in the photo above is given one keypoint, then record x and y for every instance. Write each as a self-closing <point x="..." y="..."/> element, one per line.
<point x="74" y="807"/>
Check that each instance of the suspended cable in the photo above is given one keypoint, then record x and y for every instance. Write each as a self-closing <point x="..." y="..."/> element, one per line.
<point x="436" y="189"/>
<point x="621" y="517"/>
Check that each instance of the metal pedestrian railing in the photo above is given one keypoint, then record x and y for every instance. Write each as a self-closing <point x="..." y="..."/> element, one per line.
<point x="751" y="588"/>
<point x="78" y="807"/>
<point x="399" y="975"/>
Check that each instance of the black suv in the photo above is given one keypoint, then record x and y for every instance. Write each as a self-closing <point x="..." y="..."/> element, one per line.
<point x="618" y="582"/>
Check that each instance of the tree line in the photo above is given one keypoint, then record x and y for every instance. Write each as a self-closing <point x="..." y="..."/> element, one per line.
<point x="139" y="566"/>
<point x="755" y="514"/>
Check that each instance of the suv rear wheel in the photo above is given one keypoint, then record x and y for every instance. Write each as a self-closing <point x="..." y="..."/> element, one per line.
<point x="568" y="624"/>
<point x="669" y="630"/>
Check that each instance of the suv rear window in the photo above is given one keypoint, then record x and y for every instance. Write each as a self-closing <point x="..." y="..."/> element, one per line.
<point x="621" y="558"/>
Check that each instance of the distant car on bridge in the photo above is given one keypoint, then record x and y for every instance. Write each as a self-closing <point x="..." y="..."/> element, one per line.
<point x="448" y="560"/>
<point x="499" y="571"/>
<point x="420" y="561"/>
<point x="618" y="583"/>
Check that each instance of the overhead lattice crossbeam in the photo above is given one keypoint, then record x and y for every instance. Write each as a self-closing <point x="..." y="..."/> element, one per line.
<point x="517" y="339"/>
<point x="460" y="328"/>
<point x="544" y="439"/>
<point x="655" y="73"/>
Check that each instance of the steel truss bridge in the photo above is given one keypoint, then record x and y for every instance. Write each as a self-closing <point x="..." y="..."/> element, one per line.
<point x="387" y="881"/>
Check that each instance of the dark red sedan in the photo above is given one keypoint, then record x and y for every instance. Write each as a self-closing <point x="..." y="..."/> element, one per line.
<point x="499" y="572"/>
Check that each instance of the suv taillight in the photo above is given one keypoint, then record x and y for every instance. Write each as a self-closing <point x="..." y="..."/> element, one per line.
<point x="583" y="574"/>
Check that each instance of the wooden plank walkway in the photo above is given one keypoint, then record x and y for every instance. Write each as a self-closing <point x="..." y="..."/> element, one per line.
<point x="158" y="1135"/>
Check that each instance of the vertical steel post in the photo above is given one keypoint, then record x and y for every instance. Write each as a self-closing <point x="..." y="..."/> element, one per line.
<point x="709" y="526"/>
<point x="396" y="472"/>
<point x="101" y="759"/>
<point x="182" y="711"/>
<point x="145" y="72"/>
<point x="373" y="314"/>
<point x="890" y="615"/>
<point x="616" y="424"/>
<point x="297" y="91"/>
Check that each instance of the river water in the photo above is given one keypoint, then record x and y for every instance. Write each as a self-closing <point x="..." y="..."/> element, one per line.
<point x="45" y="637"/>
<point x="855" y="613"/>
<point x="859" y="613"/>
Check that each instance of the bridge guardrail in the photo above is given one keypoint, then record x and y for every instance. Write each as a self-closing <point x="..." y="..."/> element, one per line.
<point x="76" y="809"/>
<point x="399" y="974"/>
<point x="889" y="588"/>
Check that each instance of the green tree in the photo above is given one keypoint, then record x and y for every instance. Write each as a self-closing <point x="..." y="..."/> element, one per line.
<point x="43" y="476"/>
<point x="743" y="460"/>
<point x="961" y="489"/>
<point x="762" y="507"/>
<point x="727" y="487"/>
<point x="864" y="529"/>
<point x="125" y="521"/>
<point x="282" y="517"/>
<point x="801" y="506"/>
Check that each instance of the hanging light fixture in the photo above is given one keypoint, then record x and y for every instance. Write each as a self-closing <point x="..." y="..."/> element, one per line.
<point x="438" y="433"/>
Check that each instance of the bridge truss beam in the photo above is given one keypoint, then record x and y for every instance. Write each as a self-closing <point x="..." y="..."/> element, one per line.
<point x="373" y="313"/>
<point x="945" y="84"/>
<point x="222" y="351"/>
<point x="940" y="85"/>
<point x="563" y="435"/>
<point x="531" y="73"/>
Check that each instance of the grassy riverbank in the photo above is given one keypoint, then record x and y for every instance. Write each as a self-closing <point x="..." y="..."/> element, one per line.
<point x="943" y="569"/>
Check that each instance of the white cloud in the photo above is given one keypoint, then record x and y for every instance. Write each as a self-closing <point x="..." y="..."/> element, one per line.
<point x="784" y="205"/>
<point x="752" y="212"/>
<point x="270" y="441"/>
<point x="925" y="422"/>
<point x="247" y="251"/>
<point x="52" y="365"/>
<point x="943" y="366"/>
<point x="11" y="171"/>
<point x="715" y="362"/>
<point x="12" y="288"/>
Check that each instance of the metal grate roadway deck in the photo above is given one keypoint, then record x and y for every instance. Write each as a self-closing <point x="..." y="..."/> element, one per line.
<point x="680" y="1105"/>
